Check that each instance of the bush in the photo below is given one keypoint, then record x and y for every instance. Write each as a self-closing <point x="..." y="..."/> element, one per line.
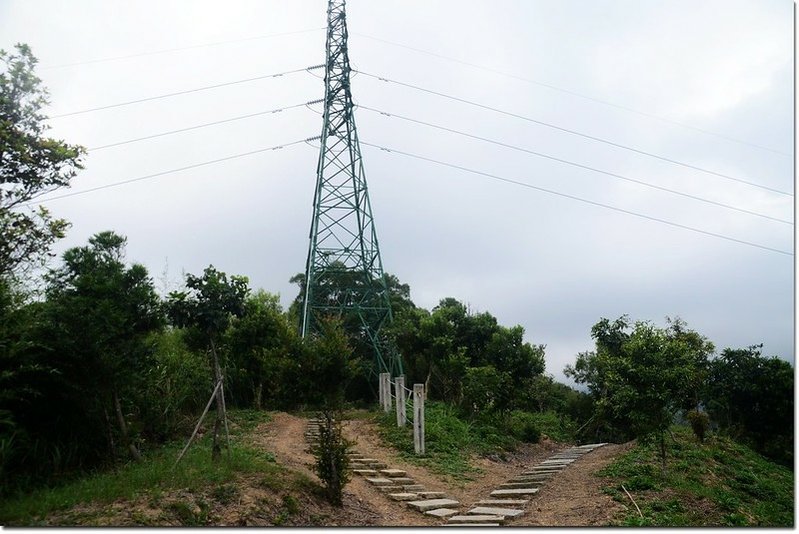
<point x="700" y="422"/>
<point x="331" y="463"/>
<point x="524" y="427"/>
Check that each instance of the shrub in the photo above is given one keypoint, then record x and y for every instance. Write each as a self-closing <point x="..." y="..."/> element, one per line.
<point x="331" y="463"/>
<point x="700" y="422"/>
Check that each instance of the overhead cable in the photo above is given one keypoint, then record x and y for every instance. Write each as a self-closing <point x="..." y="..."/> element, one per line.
<point x="171" y="171"/>
<point x="579" y="165"/>
<point x="187" y="91"/>
<point x="579" y="199"/>
<point x="579" y="95"/>
<point x="168" y="50"/>
<point x="574" y="132"/>
<point x="204" y="125"/>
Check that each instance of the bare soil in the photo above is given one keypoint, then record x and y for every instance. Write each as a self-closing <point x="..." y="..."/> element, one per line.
<point x="571" y="498"/>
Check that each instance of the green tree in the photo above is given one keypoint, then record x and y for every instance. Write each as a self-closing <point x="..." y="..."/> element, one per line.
<point x="252" y="340"/>
<point x="642" y="377"/>
<point x="751" y="397"/>
<point x="104" y="312"/>
<point x="31" y="164"/>
<point x="208" y="305"/>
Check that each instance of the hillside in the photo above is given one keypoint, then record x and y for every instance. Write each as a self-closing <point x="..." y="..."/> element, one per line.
<point x="718" y="483"/>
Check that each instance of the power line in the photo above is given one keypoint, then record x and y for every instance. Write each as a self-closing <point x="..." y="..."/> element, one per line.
<point x="195" y="90"/>
<point x="574" y="132"/>
<point x="579" y="95"/>
<point x="171" y="171"/>
<point x="168" y="50"/>
<point x="579" y="199"/>
<point x="579" y="165"/>
<point x="204" y="125"/>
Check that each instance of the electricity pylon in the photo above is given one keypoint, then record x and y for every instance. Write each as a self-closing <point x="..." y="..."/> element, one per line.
<point x="344" y="272"/>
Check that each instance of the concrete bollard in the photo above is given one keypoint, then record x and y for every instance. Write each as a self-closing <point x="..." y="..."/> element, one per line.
<point x="418" y="418"/>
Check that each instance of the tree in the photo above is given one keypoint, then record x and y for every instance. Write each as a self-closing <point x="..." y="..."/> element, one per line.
<point x="105" y="311"/>
<point x="209" y="304"/>
<point x="641" y="378"/>
<point x="751" y="397"/>
<point x="31" y="164"/>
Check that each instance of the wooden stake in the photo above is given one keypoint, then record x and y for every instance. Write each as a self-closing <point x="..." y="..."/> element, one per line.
<point x="196" y="428"/>
<point x="633" y="501"/>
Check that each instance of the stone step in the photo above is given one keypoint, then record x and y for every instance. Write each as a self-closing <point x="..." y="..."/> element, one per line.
<point x="555" y="462"/>
<point x="491" y="510"/>
<point x="403" y="496"/>
<point x="379" y="481"/>
<point x="376" y="465"/>
<point x="515" y="485"/>
<point x="360" y="465"/>
<point x="431" y="494"/>
<point x="432" y="504"/>
<point x="391" y="489"/>
<point x="502" y="502"/>
<point x="539" y="468"/>
<point x="365" y="472"/>
<point x="513" y="492"/>
<point x="392" y="473"/>
<point x="475" y="519"/>
<point x="402" y="480"/>
<point x="441" y="512"/>
<point x="413" y="487"/>
<point x="481" y="525"/>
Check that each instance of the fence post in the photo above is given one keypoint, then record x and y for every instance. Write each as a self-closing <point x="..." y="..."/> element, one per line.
<point x="418" y="418"/>
<point x="399" y="396"/>
<point x="386" y="392"/>
<point x="381" y="393"/>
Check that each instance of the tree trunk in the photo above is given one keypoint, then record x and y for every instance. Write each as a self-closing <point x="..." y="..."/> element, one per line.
<point x="259" y="391"/>
<point x="216" y="449"/>
<point x="134" y="452"/>
<point x="111" y="444"/>
<point x="663" y="454"/>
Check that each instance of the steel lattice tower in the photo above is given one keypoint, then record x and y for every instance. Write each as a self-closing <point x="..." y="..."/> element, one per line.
<point x="344" y="272"/>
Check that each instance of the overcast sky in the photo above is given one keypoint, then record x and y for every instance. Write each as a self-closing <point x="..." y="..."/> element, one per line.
<point x="707" y="83"/>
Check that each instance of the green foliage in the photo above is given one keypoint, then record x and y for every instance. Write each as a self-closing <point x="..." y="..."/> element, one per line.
<point x="700" y="422"/>
<point x="156" y="474"/>
<point x="331" y="461"/>
<point x="751" y="398"/>
<point x="485" y="390"/>
<point x="450" y="441"/>
<point x="712" y="484"/>
<point x="32" y="164"/>
<point x="641" y="377"/>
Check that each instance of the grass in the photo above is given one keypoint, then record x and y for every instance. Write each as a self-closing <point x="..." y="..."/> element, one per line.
<point x="718" y="483"/>
<point x="155" y="474"/>
<point x="449" y="441"/>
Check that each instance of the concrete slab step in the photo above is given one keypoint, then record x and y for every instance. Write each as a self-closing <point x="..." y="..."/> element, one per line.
<point x="376" y="465"/>
<point x="555" y="462"/>
<point x="379" y="481"/>
<point x="392" y="473"/>
<point x="365" y="472"/>
<point x="441" y="512"/>
<point x="431" y="494"/>
<point x="496" y="511"/>
<point x="475" y="519"/>
<point x="431" y="504"/>
<point x="513" y="492"/>
<point x="391" y="489"/>
<point x="481" y="525"/>
<point x="413" y="487"/>
<point x="403" y="496"/>
<point x="502" y="502"/>
<point x="402" y="480"/>
<point x="514" y="485"/>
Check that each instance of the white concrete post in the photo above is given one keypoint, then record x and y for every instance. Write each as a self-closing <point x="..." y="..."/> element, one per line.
<point x="381" y="393"/>
<point x="386" y="391"/>
<point x="418" y="418"/>
<point x="399" y="396"/>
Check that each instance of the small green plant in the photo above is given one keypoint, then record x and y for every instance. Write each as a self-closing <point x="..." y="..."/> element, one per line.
<point x="330" y="453"/>
<point x="700" y="422"/>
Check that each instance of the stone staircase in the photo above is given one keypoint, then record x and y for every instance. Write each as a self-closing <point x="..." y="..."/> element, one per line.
<point x="394" y="483"/>
<point x="506" y="501"/>
<point x="509" y="499"/>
